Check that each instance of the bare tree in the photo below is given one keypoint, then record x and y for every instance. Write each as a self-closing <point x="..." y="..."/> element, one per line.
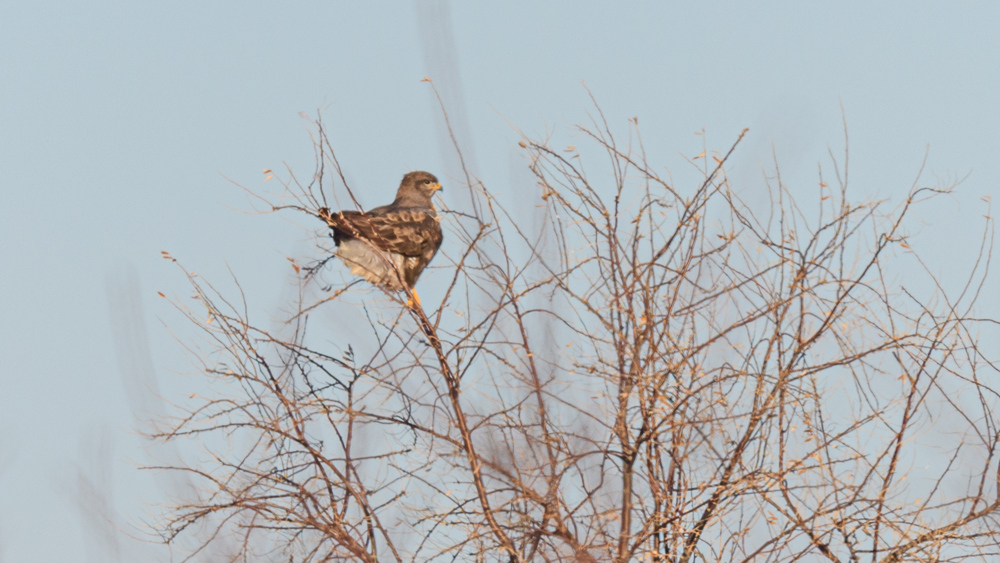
<point x="646" y="372"/>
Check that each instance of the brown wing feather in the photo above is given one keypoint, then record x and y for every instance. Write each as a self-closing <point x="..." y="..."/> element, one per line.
<point x="410" y="232"/>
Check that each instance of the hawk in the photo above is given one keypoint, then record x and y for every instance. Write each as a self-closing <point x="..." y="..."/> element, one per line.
<point x="390" y="245"/>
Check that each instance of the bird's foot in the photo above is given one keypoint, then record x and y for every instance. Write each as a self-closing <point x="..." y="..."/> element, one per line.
<point x="414" y="300"/>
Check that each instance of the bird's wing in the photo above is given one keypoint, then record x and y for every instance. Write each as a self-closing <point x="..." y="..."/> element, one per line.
<point x="410" y="232"/>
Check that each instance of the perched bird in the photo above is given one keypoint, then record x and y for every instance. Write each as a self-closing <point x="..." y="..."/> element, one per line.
<point x="390" y="245"/>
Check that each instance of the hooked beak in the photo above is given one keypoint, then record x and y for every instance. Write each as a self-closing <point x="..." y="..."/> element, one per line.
<point x="434" y="187"/>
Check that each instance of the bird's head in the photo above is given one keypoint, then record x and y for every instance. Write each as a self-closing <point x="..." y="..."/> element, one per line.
<point x="417" y="187"/>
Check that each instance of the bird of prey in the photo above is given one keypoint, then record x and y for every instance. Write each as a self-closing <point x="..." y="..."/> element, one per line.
<point x="390" y="245"/>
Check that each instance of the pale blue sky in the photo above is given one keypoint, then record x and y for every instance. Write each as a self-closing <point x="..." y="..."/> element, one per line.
<point x="120" y="123"/>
